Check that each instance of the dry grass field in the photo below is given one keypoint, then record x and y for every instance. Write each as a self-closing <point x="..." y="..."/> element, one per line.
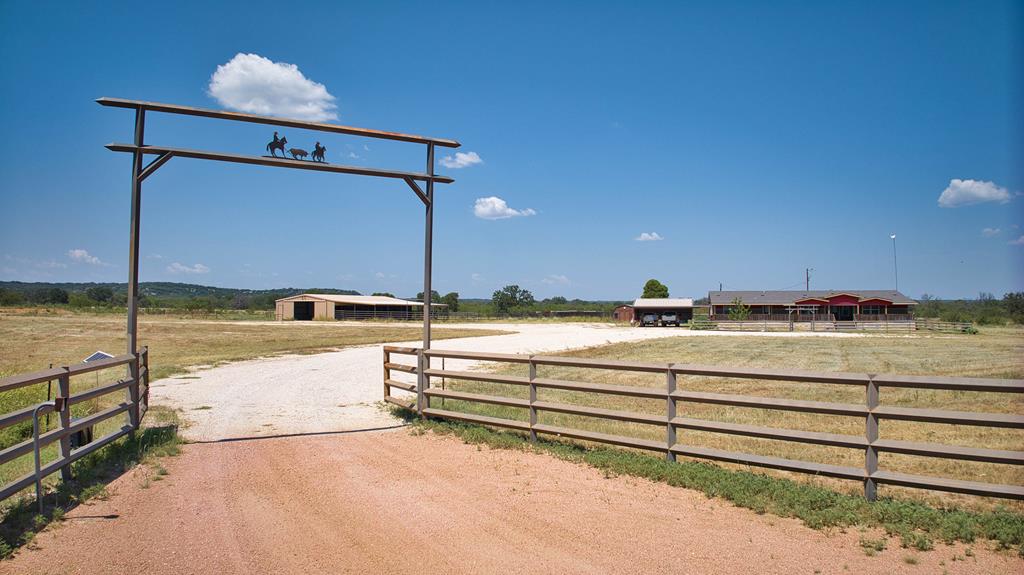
<point x="29" y="342"/>
<point x="995" y="352"/>
<point x="32" y="341"/>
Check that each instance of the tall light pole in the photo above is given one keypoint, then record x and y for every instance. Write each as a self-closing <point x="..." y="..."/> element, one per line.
<point x="895" y="269"/>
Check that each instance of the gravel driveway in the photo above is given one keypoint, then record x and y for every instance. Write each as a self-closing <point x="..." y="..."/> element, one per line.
<point x="341" y="390"/>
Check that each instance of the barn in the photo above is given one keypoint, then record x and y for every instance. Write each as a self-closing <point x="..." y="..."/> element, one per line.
<point x="309" y="306"/>
<point x="623" y="313"/>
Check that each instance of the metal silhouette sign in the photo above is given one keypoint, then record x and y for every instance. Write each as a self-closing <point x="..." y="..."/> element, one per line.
<point x="278" y="143"/>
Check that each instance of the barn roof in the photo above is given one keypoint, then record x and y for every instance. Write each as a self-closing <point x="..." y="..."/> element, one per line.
<point x="357" y="299"/>
<point x="662" y="302"/>
<point x="787" y="297"/>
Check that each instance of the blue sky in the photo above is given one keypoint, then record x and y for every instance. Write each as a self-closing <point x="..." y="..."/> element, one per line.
<point x="753" y="140"/>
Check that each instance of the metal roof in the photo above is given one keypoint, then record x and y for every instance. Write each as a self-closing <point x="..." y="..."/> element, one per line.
<point x="357" y="299"/>
<point x="662" y="302"/>
<point x="788" y="297"/>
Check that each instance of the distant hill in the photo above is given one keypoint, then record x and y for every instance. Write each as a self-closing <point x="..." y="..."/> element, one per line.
<point x="167" y="289"/>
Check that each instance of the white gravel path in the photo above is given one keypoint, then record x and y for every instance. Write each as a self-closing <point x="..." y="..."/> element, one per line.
<point x="342" y="390"/>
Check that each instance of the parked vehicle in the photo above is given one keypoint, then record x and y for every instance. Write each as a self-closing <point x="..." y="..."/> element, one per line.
<point x="648" y="319"/>
<point x="670" y="318"/>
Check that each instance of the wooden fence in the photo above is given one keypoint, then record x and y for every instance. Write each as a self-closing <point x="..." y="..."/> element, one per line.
<point x="943" y="326"/>
<point x="674" y="397"/>
<point x="135" y="405"/>
<point x="771" y="325"/>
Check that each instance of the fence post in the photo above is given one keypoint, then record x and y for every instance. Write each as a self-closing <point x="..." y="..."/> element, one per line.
<point x="422" y="380"/>
<point x="133" y="392"/>
<point x="670" y="412"/>
<point x="145" y="378"/>
<point x="387" y="372"/>
<point x="533" y="399"/>
<point x="871" y="434"/>
<point x="64" y="390"/>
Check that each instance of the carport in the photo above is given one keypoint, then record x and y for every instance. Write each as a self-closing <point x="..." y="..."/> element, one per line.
<point x="682" y="307"/>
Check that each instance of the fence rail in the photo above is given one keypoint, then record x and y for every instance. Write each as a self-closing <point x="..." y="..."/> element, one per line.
<point x="772" y="325"/>
<point x="784" y="317"/>
<point x="870" y="411"/>
<point x="943" y="326"/>
<point x="135" y="405"/>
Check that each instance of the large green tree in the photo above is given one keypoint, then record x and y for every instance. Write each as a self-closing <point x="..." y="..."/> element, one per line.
<point x="511" y="297"/>
<point x="434" y="296"/>
<point x="451" y="299"/>
<point x="655" y="289"/>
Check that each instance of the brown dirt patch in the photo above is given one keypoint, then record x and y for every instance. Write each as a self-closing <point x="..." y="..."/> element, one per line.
<point x="392" y="502"/>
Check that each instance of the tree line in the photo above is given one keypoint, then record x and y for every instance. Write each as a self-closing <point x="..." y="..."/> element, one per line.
<point x="986" y="310"/>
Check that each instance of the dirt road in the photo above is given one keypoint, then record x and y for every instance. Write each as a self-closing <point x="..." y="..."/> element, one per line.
<point x="392" y="502"/>
<point x="339" y="390"/>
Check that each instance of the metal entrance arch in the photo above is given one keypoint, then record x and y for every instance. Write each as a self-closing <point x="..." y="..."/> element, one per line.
<point x="140" y="172"/>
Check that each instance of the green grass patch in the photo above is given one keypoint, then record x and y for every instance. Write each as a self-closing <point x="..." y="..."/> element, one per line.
<point x="21" y="519"/>
<point x="916" y="524"/>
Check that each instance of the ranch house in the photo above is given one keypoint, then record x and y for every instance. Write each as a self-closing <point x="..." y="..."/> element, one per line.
<point x="818" y="305"/>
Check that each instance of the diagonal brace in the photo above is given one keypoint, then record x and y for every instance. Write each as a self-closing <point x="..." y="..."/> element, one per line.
<point x="155" y="165"/>
<point x="416" y="188"/>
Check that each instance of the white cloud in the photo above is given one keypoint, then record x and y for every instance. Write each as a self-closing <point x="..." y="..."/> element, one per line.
<point x="649" y="237"/>
<point x="83" y="256"/>
<point x="38" y="264"/>
<point x="461" y="160"/>
<point x="989" y="232"/>
<point x="495" y="208"/>
<point x="477" y="277"/>
<point x="556" y="279"/>
<point x="178" y="268"/>
<point x="379" y="275"/>
<point x="1017" y="242"/>
<point x="257" y="85"/>
<point x="967" y="192"/>
<point x="154" y="257"/>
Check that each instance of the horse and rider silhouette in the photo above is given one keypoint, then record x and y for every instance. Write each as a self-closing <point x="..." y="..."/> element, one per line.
<point x="297" y="153"/>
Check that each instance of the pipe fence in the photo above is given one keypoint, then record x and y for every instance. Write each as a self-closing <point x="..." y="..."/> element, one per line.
<point x="676" y="397"/>
<point x="135" y="405"/>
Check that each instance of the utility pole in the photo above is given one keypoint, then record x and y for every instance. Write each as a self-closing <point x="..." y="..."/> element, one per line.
<point x="719" y="286"/>
<point x="807" y="278"/>
<point x="895" y="269"/>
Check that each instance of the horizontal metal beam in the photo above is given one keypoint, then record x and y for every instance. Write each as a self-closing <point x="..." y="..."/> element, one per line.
<point x="826" y="469"/>
<point x="279" y="162"/>
<point x="951" y="485"/>
<point x="473" y="418"/>
<point x="254" y="119"/>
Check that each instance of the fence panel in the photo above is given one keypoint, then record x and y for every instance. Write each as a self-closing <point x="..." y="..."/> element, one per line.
<point x="136" y="402"/>
<point x="870" y="411"/>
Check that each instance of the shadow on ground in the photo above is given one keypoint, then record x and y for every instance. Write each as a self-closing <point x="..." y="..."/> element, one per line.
<point x="22" y="519"/>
